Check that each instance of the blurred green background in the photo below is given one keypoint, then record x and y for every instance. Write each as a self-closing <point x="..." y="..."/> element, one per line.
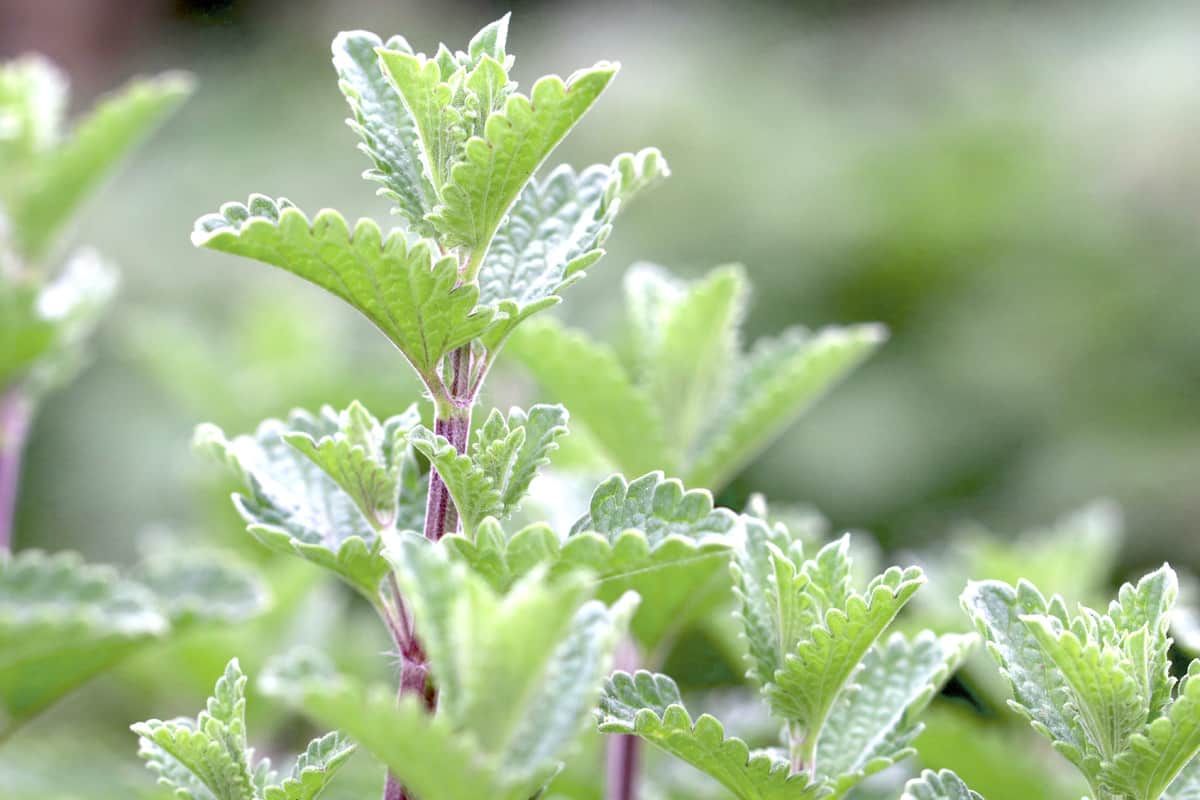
<point x="1014" y="189"/>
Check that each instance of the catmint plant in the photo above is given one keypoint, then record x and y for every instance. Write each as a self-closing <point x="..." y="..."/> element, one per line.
<point x="63" y="621"/>
<point x="505" y="629"/>
<point x="1100" y="686"/>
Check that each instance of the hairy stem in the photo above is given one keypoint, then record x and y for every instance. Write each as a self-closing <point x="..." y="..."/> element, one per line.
<point x="452" y="420"/>
<point x="803" y="746"/>
<point x="623" y="750"/>
<point x="16" y="411"/>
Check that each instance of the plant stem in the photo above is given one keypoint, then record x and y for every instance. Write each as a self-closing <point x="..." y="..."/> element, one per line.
<point x="16" y="411"/>
<point x="803" y="749"/>
<point x="623" y="750"/>
<point x="452" y="420"/>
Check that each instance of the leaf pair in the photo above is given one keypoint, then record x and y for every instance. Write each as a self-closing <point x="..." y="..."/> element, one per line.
<point x="323" y="486"/>
<point x="456" y="148"/>
<point x="517" y="676"/>
<point x="1099" y="686"/>
<point x="62" y="621"/>
<point x="691" y="401"/>
<point x="493" y="476"/>
<point x="208" y="758"/>
<point x="44" y="172"/>
<point x="814" y="649"/>
<point x="649" y="536"/>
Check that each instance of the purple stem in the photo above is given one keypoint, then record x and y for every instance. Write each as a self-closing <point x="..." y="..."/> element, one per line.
<point x="441" y="517"/>
<point x="15" y="414"/>
<point x="623" y="749"/>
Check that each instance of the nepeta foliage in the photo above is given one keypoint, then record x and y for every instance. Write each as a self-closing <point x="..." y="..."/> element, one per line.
<point x="1099" y="685"/>
<point x="692" y="402"/>
<point x="505" y="631"/>
<point x="208" y="758"/>
<point x="62" y="621"/>
<point x="815" y="649"/>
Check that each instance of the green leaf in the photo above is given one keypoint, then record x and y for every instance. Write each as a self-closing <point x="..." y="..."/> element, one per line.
<point x="687" y="343"/>
<point x="1102" y="694"/>
<point x="43" y="332"/>
<point x="944" y="785"/>
<point x="648" y="536"/>
<point x="588" y="378"/>
<point x="493" y="476"/>
<point x="874" y="721"/>
<point x="56" y="175"/>
<point x="496" y="166"/>
<point x="199" y="587"/>
<point x="368" y="460"/>
<point x="1148" y="605"/>
<point x="434" y="761"/>
<point x="384" y="124"/>
<point x="212" y="748"/>
<point x="208" y="759"/>
<point x="61" y="623"/>
<point x="293" y="506"/>
<point x="517" y="675"/>
<point x="648" y="705"/>
<point x="996" y="609"/>
<point x="818" y="667"/>
<point x="555" y="231"/>
<point x="314" y="769"/>
<point x="1160" y="752"/>
<point x="395" y="282"/>
<point x="778" y="379"/>
<point x="1186" y="785"/>
<point x="500" y="659"/>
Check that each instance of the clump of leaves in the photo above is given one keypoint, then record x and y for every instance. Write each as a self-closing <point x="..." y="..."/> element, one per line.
<point x="62" y="621"/>
<point x="1099" y="685"/>
<point x="208" y="757"/>
<point x="505" y="633"/>
<point x="692" y="402"/>
<point x="815" y="648"/>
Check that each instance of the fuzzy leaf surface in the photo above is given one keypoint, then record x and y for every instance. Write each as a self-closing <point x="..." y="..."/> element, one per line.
<point x="556" y="230"/>
<point x="394" y="281"/>
<point x="874" y="721"/>
<point x="314" y="769"/>
<point x="384" y="124"/>
<point x="943" y="785"/>
<point x="497" y="165"/>
<point x="61" y="623"/>
<point x="292" y="505"/>
<point x="648" y="705"/>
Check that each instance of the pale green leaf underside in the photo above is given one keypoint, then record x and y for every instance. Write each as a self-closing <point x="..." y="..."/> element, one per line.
<point x="395" y="282"/>
<point x="199" y="587"/>
<point x="556" y="230"/>
<point x="816" y="670"/>
<point x="943" y="785"/>
<point x="1161" y="751"/>
<point x="384" y="124"/>
<point x="495" y="167"/>
<point x="61" y="623"/>
<point x="648" y="706"/>
<point x="780" y="377"/>
<point x="207" y="758"/>
<point x="314" y="769"/>
<point x="293" y="506"/>
<point x="47" y="183"/>
<point x="873" y="722"/>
